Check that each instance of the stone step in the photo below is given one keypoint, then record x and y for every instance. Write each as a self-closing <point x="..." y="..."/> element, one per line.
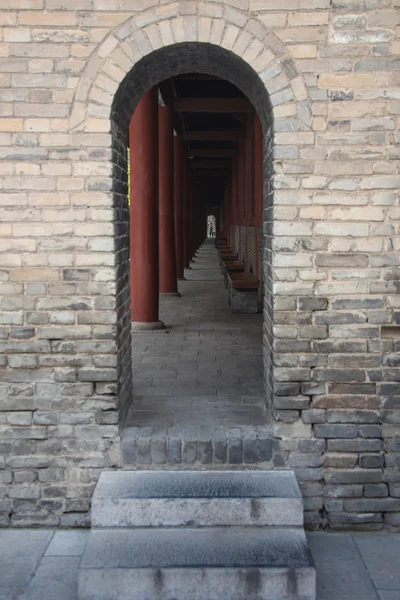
<point x="197" y="564"/>
<point x="197" y="498"/>
<point x="196" y="445"/>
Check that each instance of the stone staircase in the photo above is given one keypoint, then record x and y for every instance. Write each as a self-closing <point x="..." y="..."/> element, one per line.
<point x="197" y="535"/>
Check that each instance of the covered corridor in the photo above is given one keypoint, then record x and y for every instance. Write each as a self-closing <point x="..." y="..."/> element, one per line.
<point x="200" y="379"/>
<point x="196" y="149"/>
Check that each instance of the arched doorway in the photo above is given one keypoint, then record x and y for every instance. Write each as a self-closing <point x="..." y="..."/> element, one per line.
<point x="205" y="67"/>
<point x="200" y="60"/>
<point x="258" y="64"/>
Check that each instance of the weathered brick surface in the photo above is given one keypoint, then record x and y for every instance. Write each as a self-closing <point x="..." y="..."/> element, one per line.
<point x="331" y="239"/>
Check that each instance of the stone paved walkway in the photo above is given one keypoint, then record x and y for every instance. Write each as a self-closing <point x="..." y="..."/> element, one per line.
<point x="42" y="564"/>
<point x="202" y="374"/>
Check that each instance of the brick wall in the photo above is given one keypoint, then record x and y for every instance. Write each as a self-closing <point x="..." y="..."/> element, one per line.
<point x="323" y="76"/>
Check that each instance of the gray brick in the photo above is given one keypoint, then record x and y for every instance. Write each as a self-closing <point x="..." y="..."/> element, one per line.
<point x="369" y="505"/>
<point x="22" y="332"/>
<point x="189" y="451"/>
<point x="250" y="447"/>
<point x="339" y="375"/>
<point x="143" y="450"/>
<point x="351" y="416"/>
<point x="313" y="416"/>
<point x="220" y="445"/>
<point x="159" y="446"/>
<point x="235" y="447"/>
<point x="353" y="476"/>
<point x="312" y="388"/>
<point x="175" y="445"/>
<point x="341" y="260"/>
<point x="312" y="445"/>
<point x="375" y="490"/>
<point x="22" y="361"/>
<point x="76" y="274"/>
<point x="313" y="303"/>
<point x="292" y="402"/>
<point x="343" y="491"/>
<point x="97" y="374"/>
<point x="264" y="447"/>
<point x="335" y="431"/>
<point x="204" y="445"/>
<point x="354" y="445"/>
<point x="340" y="317"/>
<point x="288" y="388"/>
<point x="371" y="461"/>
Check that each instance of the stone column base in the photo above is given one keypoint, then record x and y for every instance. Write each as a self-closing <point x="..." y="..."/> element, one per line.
<point x="169" y="294"/>
<point x="141" y="326"/>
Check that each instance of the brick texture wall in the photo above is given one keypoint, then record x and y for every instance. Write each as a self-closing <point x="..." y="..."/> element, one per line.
<point x="324" y="78"/>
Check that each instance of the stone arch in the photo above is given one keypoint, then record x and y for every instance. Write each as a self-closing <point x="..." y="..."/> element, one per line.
<point x="159" y="43"/>
<point x="150" y="30"/>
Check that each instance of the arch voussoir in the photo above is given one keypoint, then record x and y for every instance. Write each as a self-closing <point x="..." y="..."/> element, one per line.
<point x="159" y="27"/>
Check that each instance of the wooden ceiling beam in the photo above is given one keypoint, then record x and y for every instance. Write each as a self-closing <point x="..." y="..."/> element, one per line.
<point x="168" y="94"/>
<point x="210" y="164"/>
<point x="212" y="153"/>
<point x="214" y="105"/>
<point x="242" y="117"/>
<point x="229" y="135"/>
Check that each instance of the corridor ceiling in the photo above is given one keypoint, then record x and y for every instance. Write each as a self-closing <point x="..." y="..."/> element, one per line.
<point x="210" y="114"/>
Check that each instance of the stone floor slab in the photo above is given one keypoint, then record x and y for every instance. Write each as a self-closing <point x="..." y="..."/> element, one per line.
<point x="383" y="574"/>
<point x="341" y="572"/>
<point x="382" y="545"/>
<point x="201" y="370"/>
<point x="389" y="595"/>
<point x="67" y="543"/>
<point x="56" y="578"/>
<point x="8" y="593"/>
<point x="20" y="553"/>
<point x="378" y="553"/>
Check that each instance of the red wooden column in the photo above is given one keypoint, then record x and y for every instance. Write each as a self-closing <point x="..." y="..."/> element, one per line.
<point x="241" y="193"/>
<point x="249" y="170"/>
<point x="234" y="203"/>
<point x="258" y="185"/>
<point x="186" y="213"/>
<point x="178" y="205"/>
<point x="143" y="141"/>
<point x="167" y="277"/>
<point x="191" y="198"/>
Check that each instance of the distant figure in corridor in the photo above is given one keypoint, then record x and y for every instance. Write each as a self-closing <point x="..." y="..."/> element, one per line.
<point x="211" y="226"/>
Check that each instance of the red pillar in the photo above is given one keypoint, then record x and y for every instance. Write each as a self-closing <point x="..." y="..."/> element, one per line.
<point x="186" y="219"/>
<point x="191" y="198"/>
<point x="248" y="199"/>
<point x="167" y="276"/>
<point x="258" y="185"/>
<point x="234" y="204"/>
<point x="242" y="192"/>
<point x="143" y="141"/>
<point x="178" y="205"/>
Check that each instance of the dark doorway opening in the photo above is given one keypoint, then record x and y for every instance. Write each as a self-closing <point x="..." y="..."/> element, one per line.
<point x="202" y="378"/>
